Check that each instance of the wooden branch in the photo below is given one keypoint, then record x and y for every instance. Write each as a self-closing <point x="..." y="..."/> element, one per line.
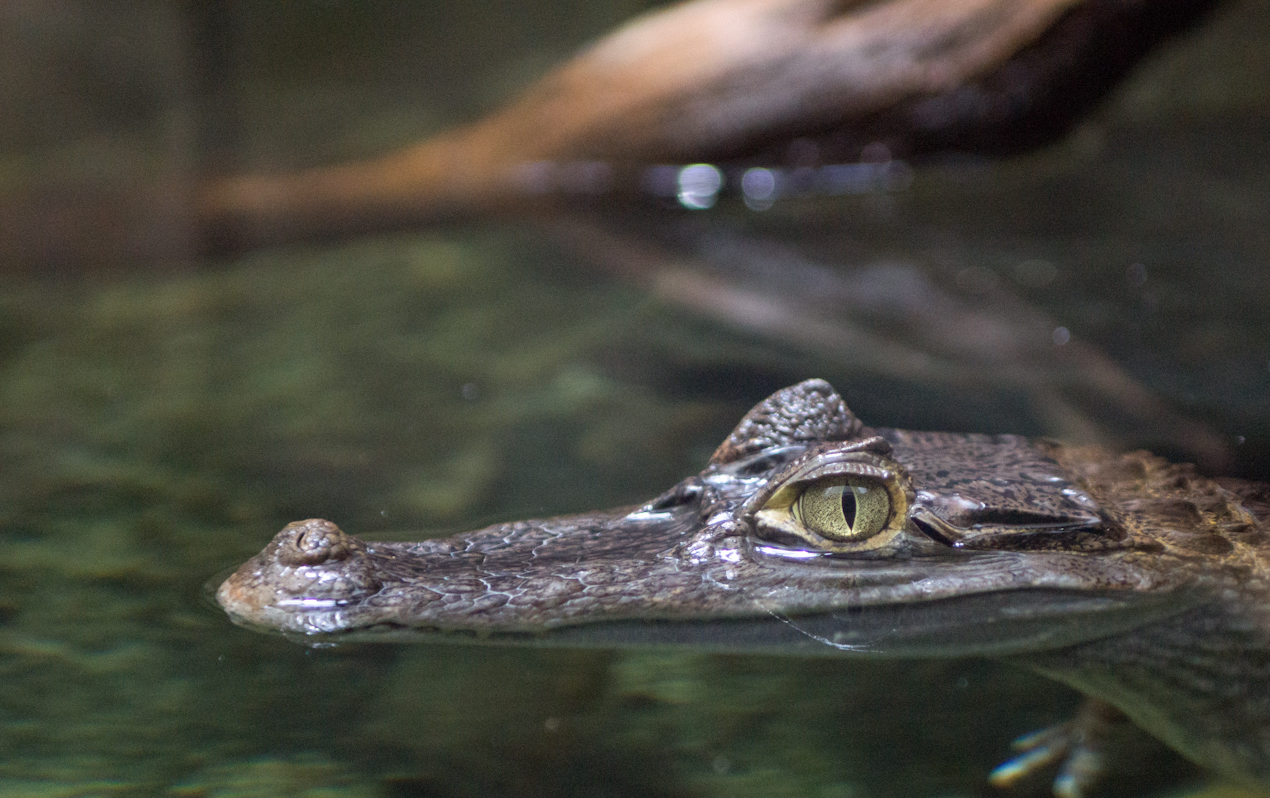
<point x="701" y="80"/>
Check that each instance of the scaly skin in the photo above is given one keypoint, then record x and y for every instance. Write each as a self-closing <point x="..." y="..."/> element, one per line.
<point x="1135" y="580"/>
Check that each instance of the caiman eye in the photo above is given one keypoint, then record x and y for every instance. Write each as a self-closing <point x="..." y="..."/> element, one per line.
<point x="843" y="508"/>
<point x="840" y="502"/>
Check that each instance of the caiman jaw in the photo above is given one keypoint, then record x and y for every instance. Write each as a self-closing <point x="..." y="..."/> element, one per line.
<point x="803" y="515"/>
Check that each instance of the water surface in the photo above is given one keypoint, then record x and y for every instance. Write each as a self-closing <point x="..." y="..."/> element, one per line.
<point x="160" y="420"/>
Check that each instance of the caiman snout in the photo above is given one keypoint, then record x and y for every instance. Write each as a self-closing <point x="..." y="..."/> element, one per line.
<point x="310" y="566"/>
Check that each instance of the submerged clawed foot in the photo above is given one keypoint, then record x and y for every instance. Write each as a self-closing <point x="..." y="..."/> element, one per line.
<point x="1079" y="745"/>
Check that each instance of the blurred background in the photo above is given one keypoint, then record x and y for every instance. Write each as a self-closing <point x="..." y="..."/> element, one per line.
<point x="165" y="409"/>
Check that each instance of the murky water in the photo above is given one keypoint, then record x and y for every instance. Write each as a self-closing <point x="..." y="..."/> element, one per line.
<point x="159" y="422"/>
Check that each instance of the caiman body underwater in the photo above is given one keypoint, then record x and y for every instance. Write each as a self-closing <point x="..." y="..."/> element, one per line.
<point x="1137" y="581"/>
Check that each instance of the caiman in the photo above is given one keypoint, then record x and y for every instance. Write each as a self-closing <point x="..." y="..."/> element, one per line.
<point x="1135" y="580"/>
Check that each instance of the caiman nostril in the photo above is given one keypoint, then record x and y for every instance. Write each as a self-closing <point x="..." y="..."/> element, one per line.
<point x="1139" y="580"/>
<point x="313" y="542"/>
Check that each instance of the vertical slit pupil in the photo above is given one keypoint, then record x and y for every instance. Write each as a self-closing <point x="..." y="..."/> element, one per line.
<point x="848" y="505"/>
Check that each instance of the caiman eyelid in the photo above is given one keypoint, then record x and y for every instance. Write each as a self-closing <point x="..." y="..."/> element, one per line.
<point x="781" y="509"/>
<point x="855" y="460"/>
<point x="847" y="468"/>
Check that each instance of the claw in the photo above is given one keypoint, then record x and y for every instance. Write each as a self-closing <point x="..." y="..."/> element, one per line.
<point x="1038" y="750"/>
<point x="1077" y="744"/>
<point x="1080" y="771"/>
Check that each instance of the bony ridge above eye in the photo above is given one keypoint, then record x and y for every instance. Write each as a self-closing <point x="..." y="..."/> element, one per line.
<point x="843" y="508"/>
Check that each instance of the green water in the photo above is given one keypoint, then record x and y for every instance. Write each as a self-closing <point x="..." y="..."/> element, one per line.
<point x="158" y="428"/>
<point x="161" y="419"/>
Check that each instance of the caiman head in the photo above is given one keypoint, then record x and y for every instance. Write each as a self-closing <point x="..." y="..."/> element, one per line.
<point x="806" y="532"/>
